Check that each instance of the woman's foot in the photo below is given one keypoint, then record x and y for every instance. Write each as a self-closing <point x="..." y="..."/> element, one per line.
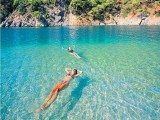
<point x="39" y="109"/>
<point x="43" y="107"/>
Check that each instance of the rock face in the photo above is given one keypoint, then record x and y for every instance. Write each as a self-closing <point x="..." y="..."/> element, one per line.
<point x="43" y="22"/>
<point x="151" y="21"/>
<point x="127" y="21"/>
<point x="58" y="16"/>
<point x="16" y="22"/>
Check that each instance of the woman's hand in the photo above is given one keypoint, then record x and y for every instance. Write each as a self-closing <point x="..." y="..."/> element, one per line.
<point x="67" y="70"/>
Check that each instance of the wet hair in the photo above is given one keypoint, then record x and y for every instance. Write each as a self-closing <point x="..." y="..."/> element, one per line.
<point x="75" y="71"/>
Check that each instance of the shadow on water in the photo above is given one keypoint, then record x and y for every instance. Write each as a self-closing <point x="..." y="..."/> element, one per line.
<point x="72" y="100"/>
<point x="80" y="53"/>
<point x="83" y="58"/>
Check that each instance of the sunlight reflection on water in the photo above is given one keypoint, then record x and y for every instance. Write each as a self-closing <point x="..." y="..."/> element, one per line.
<point x="120" y="81"/>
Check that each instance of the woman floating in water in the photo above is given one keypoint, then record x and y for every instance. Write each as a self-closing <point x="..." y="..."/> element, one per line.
<point x="70" y="50"/>
<point x="58" y="87"/>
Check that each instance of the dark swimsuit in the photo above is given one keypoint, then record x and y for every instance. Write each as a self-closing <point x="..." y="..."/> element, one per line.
<point x="71" y="51"/>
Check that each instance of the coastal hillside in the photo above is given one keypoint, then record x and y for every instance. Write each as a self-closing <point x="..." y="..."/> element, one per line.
<point x="30" y="13"/>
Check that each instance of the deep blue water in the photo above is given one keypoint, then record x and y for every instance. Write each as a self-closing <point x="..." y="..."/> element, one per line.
<point x="121" y="78"/>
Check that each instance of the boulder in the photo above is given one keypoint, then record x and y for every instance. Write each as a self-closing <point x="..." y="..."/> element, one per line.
<point x="25" y="24"/>
<point x="65" y="23"/>
<point x="29" y="16"/>
<point x="52" y="16"/>
<point x="151" y="21"/>
<point x="95" y="23"/>
<point x="57" y="19"/>
<point x="61" y="13"/>
<point x="127" y="21"/>
<point x="8" y="23"/>
<point x="110" y="22"/>
<point x="51" y="24"/>
<point x="2" y="24"/>
<point x="16" y="22"/>
<point x="43" y="22"/>
<point x="58" y="24"/>
<point x="102" y="24"/>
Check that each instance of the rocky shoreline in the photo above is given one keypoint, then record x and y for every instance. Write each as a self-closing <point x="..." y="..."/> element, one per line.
<point x="61" y="17"/>
<point x="71" y="20"/>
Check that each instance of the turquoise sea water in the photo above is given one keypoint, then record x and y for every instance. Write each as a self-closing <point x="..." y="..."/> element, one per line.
<point x="121" y="79"/>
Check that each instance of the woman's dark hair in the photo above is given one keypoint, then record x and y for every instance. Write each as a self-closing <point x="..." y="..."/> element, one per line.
<point x="75" y="71"/>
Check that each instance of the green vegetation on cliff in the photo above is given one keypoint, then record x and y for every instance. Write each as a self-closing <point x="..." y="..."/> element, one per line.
<point x="101" y="9"/>
<point x="8" y="6"/>
<point x="96" y="9"/>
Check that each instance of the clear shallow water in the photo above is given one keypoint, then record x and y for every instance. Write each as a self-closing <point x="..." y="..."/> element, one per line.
<point x="121" y="68"/>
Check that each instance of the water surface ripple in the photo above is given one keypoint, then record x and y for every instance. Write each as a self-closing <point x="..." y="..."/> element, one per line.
<point x="121" y="79"/>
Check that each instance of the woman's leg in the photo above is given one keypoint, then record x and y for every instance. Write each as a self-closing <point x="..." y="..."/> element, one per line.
<point x="56" y="91"/>
<point x="50" y="95"/>
<point x="47" y="99"/>
<point x="52" y="99"/>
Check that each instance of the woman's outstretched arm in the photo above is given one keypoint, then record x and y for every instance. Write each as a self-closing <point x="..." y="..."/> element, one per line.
<point x="67" y="70"/>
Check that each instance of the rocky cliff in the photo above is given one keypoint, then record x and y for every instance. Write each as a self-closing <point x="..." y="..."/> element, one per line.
<point x="59" y="15"/>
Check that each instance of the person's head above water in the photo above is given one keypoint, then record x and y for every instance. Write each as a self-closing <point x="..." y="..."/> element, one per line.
<point x="70" y="49"/>
<point x="74" y="72"/>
